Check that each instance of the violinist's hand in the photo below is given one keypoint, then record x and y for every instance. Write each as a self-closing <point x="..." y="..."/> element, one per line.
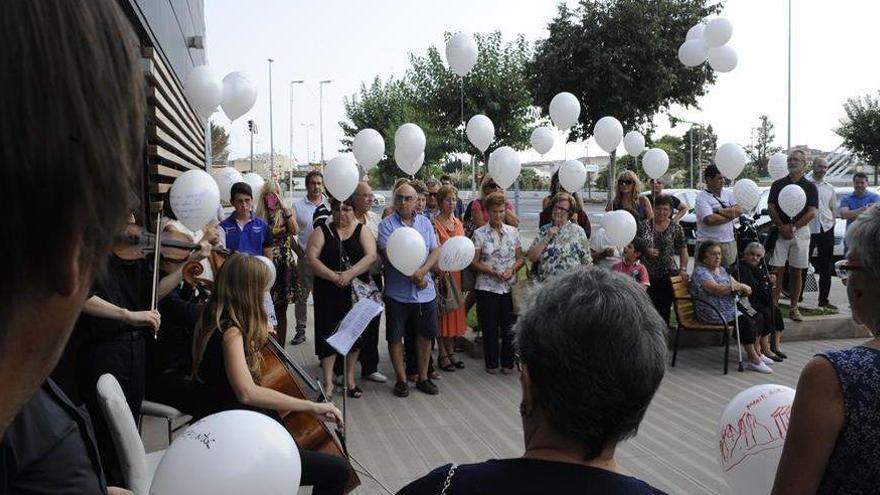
<point x="211" y="234"/>
<point x="203" y="252"/>
<point x="150" y="319"/>
<point x="271" y="330"/>
<point x="327" y="411"/>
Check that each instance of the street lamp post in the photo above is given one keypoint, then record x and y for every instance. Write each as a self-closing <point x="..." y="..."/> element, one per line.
<point x="308" y="145"/>
<point x="271" y="134"/>
<point x="321" y="116"/>
<point x="291" y="115"/>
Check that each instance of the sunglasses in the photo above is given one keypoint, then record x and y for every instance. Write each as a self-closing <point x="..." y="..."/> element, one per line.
<point x="844" y="270"/>
<point x="625" y="182"/>
<point x="400" y="198"/>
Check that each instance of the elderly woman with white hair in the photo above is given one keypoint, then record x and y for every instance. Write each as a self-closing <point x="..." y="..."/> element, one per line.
<point x="579" y="399"/>
<point x="831" y="446"/>
<point x="755" y="274"/>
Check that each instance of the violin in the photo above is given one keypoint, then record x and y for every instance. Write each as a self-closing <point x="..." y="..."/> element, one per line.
<point x="135" y="244"/>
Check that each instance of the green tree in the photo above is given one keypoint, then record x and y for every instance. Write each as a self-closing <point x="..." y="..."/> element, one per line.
<point x="219" y="144"/>
<point x="429" y="95"/>
<point x="860" y="129"/>
<point x="619" y="58"/>
<point x="762" y="147"/>
<point x="705" y="142"/>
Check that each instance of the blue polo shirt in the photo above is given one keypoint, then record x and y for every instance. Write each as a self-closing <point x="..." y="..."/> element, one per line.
<point x="397" y="285"/>
<point x="853" y="202"/>
<point x="251" y="239"/>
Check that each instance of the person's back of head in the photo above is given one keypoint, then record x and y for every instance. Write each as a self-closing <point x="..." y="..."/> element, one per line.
<point x="72" y="129"/>
<point x="594" y="350"/>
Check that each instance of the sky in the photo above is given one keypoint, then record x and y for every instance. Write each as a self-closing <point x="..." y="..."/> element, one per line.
<point x="351" y="42"/>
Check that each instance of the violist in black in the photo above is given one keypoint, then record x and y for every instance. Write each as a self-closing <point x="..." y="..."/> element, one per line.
<point x="226" y="353"/>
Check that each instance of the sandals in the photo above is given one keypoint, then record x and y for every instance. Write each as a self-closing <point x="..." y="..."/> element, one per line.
<point x="355" y="392"/>
<point x="449" y="366"/>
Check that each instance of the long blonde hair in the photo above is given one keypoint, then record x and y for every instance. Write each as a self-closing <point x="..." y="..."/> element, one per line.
<point x="237" y="298"/>
<point x="275" y="221"/>
<point x="636" y="191"/>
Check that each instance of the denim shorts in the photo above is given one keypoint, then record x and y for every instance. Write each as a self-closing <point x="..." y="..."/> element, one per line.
<point x="407" y="319"/>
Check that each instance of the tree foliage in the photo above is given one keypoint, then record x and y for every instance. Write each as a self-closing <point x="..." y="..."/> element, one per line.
<point x="860" y="129"/>
<point x="219" y="143"/>
<point x="762" y="147"/>
<point x="619" y="57"/>
<point x="430" y="95"/>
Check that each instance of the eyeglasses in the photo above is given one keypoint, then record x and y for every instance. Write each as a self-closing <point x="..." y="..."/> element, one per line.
<point x="843" y="269"/>
<point x="625" y="182"/>
<point x="400" y="198"/>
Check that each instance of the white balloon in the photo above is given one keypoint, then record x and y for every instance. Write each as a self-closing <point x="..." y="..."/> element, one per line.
<point x="608" y="133"/>
<point x="239" y="95"/>
<point x="256" y="182"/>
<point x="746" y="193"/>
<point x="271" y="267"/>
<point x="655" y="163"/>
<point x="634" y="143"/>
<point x="565" y="110"/>
<point x="778" y="166"/>
<point x="204" y="90"/>
<point x="409" y="167"/>
<point x="620" y="227"/>
<point x="730" y="159"/>
<point x="751" y="433"/>
<point x="341" y="177"/>
<point x="505" y="167"/>
<point x="717" y="32"/>
<point x="225" y="178"/>
<point x="480" y="132"/>
<point x="456" y="254"/>
<point x="461" y="53"/>
<point x="194" y="199"/>
<point x="542" y="139"/>
<point x="693" y="52"/>
<point x="368" y="148"/>
<point x="792" y="200"/>
<point x="696" y="32"/>
<point x="406" y="250"/>
<point x="572" y="175"/>
<point x="233" y="452"/>
<point x="409" y="143"/>
<point x="722" y="59"/>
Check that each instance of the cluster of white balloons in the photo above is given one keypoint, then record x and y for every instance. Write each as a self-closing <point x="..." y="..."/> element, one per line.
<point x="709" y="42"/>
<point x="409" y="148"/>
<point x="235" y="93"/>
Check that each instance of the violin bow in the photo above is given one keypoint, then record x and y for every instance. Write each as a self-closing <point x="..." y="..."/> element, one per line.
<point x="154" y="301"/>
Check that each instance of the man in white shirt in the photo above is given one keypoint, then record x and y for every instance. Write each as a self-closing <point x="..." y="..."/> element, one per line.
<point x="822" y="232"/>
<point x="305" y="211"/>
<point x="716" y="209"/>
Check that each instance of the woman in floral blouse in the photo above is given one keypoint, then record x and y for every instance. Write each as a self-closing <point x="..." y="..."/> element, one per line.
<point x="497" y="260"/>
<point x="665" y="240"/>
<point x="561" y="245"/>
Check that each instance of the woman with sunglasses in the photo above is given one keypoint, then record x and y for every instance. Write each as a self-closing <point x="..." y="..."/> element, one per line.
<point x="627" y="197"/>
<point x="831" y="445"/>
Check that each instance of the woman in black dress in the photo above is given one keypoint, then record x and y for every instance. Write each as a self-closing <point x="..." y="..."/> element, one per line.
<point x="338" y="252"/>
<point x="226" y="356"/>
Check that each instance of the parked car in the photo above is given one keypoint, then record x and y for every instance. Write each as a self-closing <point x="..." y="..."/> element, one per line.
<point x="378" y="200"/>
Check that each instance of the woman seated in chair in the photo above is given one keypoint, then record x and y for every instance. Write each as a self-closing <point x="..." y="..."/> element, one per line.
<point x="715" y="293"/>
<point x="226" y="355"/>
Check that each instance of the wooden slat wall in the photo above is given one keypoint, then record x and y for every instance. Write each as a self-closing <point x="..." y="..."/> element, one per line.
<point x="175" y="134"/>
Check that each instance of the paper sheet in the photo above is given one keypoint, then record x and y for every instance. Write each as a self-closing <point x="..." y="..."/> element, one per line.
<point x="270" y="309"/>
<point x="353" y="324"/>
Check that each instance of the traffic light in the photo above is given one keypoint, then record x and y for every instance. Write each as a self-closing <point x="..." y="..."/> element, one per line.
<point x="251" y="126"/>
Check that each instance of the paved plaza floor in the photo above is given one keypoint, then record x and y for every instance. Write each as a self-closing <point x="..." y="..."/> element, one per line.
<point x="476" y="417"/>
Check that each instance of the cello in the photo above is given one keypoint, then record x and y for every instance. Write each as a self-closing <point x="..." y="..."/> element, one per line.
<point x="281" y="373"/>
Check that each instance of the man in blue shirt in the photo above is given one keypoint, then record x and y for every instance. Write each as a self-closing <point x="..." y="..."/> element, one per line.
<point x="246" y="232"/>
<point x="853" y="205"/>
<point x="410" y="301"/>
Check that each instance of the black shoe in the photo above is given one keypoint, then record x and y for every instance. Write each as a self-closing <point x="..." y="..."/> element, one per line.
<point x="401" y="389"/>
<point x="298" y="339"/>
<point x="781" y="354"/>
<point x="428" y="387"/>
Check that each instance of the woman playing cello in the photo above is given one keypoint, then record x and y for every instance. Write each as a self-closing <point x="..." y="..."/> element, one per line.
<point x="226" y="356"/>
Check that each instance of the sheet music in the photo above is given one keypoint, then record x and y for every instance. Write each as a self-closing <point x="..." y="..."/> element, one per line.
<point x="353" y="324"/>
<point x="270" y="309"/>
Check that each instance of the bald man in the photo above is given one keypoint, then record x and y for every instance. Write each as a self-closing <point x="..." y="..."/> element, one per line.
<point x="822" y="231"/>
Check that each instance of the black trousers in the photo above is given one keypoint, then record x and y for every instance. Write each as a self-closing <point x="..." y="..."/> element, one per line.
<point x="326" y="473"/>
<point x="661" y="294"/>
<point x="823" y="261"/>
<point x="495" y="316"/>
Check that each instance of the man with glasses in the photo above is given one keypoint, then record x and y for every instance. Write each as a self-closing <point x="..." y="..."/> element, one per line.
<point x="822" y="232"/>
<point x="793" y="245"/>
<point x="431" y="206"/>
<point x="716" y="209"/>
<point x="410" y="301"/>
<point x="678" y="207"/>
<point x="306" y="210"/>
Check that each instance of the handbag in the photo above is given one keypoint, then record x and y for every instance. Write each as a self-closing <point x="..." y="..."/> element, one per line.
<point x="359" y="288"/>
<point x="449" y="297"/>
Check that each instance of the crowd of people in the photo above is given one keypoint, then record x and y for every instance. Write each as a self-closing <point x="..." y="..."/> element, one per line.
<point x="80" y="302"/>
